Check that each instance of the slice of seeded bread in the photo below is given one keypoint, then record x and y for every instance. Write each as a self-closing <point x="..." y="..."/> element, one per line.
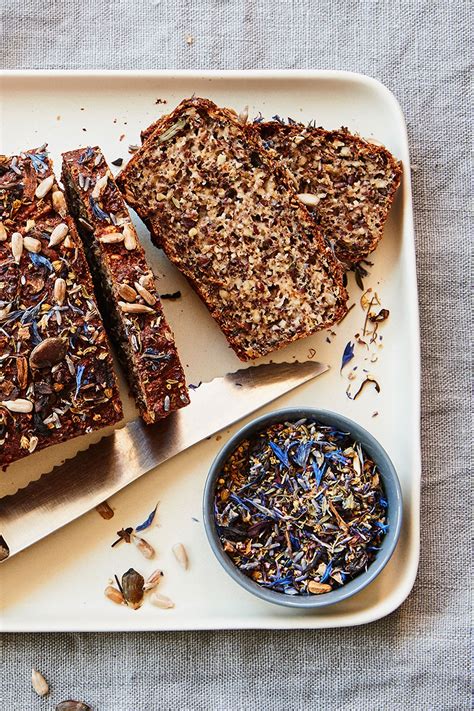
<point x="129" y="300"/>
<point x="56" y="371"/>
<point x="347" y="183"/>
<point x="228" y="218"/>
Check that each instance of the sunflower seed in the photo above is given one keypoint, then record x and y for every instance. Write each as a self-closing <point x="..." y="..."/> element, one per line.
<point x="17" y="246"/>
<point x="32" y="244"/>
<point x="145" y="294"/>
<point x="80" y="180"/>
<point x="115" y="595"/>
<point x="181" y="556"/>
<point x="166" y="403"/>
<point x="44" y="187"/>
<point x="87" y="183"/>
<point x="39" y="683"/>
<point x="135" y="308"/>
<point x="308" y="199"/>
<point x="59" y="291"/>
<point x="153" y="580"/>
<point x="143" y="546"/>
<point x="111" y="238"/>
<point x="99" y="187"/>
<point x="161" y="601"/>
<point x="19" y="405"/>
<point x="127" y="292"/>
<point x="130" y="239"/>
<point x="58" y="234"/>
<point x="98" y="160"/>
<point x="59" y="203"/>
<point x="244" y="115"/>
<point x="3" y="232"/>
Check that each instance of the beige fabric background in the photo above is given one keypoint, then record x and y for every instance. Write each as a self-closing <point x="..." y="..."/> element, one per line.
<point x="418" y="658"/>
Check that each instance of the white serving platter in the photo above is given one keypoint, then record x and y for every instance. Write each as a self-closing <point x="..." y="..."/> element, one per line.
<point x="58" y="584"/>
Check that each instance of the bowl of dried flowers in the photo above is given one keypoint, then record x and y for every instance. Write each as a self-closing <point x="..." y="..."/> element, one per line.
<point x="303" y="507"/>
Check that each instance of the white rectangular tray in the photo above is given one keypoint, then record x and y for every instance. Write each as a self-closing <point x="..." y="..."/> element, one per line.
<point x="58" y="583"/>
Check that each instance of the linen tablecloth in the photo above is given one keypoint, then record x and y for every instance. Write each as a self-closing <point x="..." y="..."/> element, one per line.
<point x="418" y="657"/>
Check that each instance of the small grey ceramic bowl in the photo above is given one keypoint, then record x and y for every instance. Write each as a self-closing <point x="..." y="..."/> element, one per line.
<point x="391" y="487"/>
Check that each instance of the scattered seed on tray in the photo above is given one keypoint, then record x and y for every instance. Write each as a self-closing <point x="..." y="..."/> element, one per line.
<point x="300" y="508"/>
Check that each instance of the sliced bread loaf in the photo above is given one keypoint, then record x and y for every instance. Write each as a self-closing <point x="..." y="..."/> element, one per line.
<point x="347" y="183"/>
<point x="226" y="214"/>
<point x="128" y="298"/>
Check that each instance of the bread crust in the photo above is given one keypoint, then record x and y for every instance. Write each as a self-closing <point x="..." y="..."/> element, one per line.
<point x="248" y="342"/>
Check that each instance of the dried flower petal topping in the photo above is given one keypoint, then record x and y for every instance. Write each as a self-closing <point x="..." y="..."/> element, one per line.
<point x="368" y="379"/>
<point x="347" y="355"/>
<point x="299" y="508"/>
<point x="148" y="522"/>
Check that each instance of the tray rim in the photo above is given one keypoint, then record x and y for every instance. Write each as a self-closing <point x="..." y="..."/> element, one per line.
<point x="348" y="619"/>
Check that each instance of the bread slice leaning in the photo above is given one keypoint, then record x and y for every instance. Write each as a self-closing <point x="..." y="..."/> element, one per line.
<point x="347" y="183"/>
<point x="125" y="284"/>
<point x="227" y="216"/>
